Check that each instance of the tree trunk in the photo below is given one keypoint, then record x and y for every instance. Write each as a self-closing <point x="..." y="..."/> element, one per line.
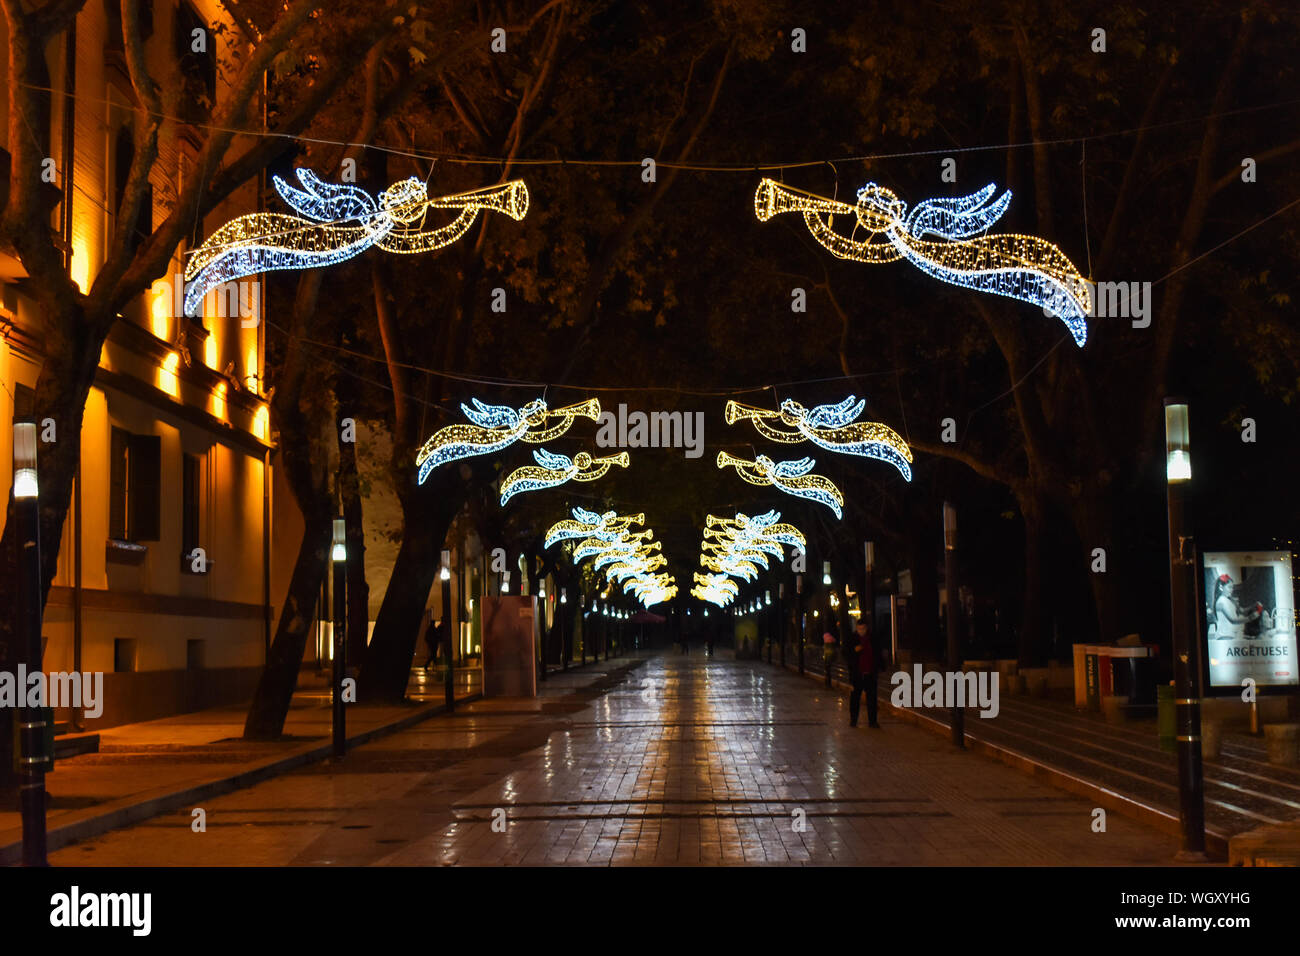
<point x="1093" y="516"/>
<point x="61" y="389"/>
<point x="270" y="705"/>
<point x="426" y="515"/>
<point x="1032" y="638"/>
<point x="349" y="483"/>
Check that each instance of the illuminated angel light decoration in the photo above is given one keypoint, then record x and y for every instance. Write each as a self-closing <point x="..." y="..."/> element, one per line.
<point x="833" y="427"/>
<point x="552" y="470"/>
<point x="732" y="565"/>
<point x="766" y="527"/>
<point x="715" y="588"/>
<point x="622" y="570"/>
<point x="790" y="476"/>
<point x="335" y="223"/>
<point x="588" y="524"/>
<point x="1020" y="267"/>
<point x="614" y="556"/>
<point x="593" y="547"/>
<point x="495" y="427"/>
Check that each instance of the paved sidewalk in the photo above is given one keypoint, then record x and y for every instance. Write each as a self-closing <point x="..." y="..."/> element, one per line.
<point x="680" y="761"/>
<point x="145" y="768"/>
<point x="1123" y="766"/>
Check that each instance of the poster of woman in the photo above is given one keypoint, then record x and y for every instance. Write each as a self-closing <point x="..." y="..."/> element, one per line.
<point x="1250" y="618"/>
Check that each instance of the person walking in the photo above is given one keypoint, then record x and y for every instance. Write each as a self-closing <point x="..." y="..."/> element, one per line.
<point x="865" y="664"/>
<point x="828" y="652"/>
<point x="435" y="639"/>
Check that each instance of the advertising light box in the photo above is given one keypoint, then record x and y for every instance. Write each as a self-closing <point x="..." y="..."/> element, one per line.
<point x="1250" y="618"/>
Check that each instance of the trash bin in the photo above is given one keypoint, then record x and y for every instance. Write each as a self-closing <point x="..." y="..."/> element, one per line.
<point x="1166" y="715"/>
<point x="1127" y="673"/>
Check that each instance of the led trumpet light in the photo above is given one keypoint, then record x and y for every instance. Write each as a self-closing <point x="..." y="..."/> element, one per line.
<point x="833" y="427"/>
<point x="588" y="524"/>
<point x="1020" y="267"/>
<point x="552" y="470"/>
<point x="335" y="223"/>
<point x="790" y="476"/>
<point x="495" y="427"/>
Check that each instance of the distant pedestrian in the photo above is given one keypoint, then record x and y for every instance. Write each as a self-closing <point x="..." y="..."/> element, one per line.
<point x="435" y="636"/>
<point x="865" y="664"/>
<point x="828" y="653"/>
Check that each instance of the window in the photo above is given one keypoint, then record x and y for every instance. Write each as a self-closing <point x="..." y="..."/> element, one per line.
<point x="189" y="504"/>
<point x="123" y="655"/>
<point x="134" y="485"/>
<point x="24" y="403"/>
<point x="198" y="68"/>
<point x="123" y="157"/>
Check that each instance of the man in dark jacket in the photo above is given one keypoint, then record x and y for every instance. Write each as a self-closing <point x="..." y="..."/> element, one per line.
<point x="865" y="663"/>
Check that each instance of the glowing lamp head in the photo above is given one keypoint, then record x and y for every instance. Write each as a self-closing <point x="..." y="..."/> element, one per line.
<point x="25" y="483"/>
<point x="339" y="552"/>
<point x="564" y="596"/>
<point x="949" y="527"/>
<point x="505" y="582"/>
<point x="1178" y="450"/>
<point x="768" y="597"/>
<point x="445" y="573"/>
<point x="826" y="573"/>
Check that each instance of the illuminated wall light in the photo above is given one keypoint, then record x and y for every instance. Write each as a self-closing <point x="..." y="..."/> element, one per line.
<point x="160" y="311"/>
<point x="1020" y="267"/>
<point x="830" y="426"/>
<point x="262" y="422"/>
<point x="26" y="482"/>
<point x="552" y="470"/>
<point x="826" y="573"/>
<point x="339" y="552"/>
<point x="790" y="476"/>
<point x="219" y="401"/>
<point x="250" y="370"/>
<point x="340" y="222"/>
<point x="498" y="426"/>
<point x="167" y="378"/>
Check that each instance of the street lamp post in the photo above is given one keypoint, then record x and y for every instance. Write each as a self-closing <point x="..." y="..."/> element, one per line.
<point x="780" y="616"/>
<point x="798" y="617"/>
<point x="31" y="754"/>
<point x="954" y="635"/>
<point x="541" y="629"/>
<point x="339" y="558"/>
<point x="564" y="647"/>
<point x="1186" y="643"/>
<point x="867" y="604"/>
<point x="449" y="687"/>
<point x="767" y="621"/>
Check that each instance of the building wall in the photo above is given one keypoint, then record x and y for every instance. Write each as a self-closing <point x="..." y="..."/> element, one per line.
<point x="196" y="386"/>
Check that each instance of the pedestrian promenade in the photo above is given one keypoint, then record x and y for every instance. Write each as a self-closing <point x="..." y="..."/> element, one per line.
<point x="668" y="761"/>
<point x="143" y="767"/>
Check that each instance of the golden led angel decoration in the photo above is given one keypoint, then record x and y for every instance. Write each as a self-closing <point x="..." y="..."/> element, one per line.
<point x="497" y="426"/>
<point x="335" y="223"/>
<point x="833" y="427"/>
<point x="790" y="476"/>
<point x="1021" y="267"/>
<point x="552" y="470"/>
